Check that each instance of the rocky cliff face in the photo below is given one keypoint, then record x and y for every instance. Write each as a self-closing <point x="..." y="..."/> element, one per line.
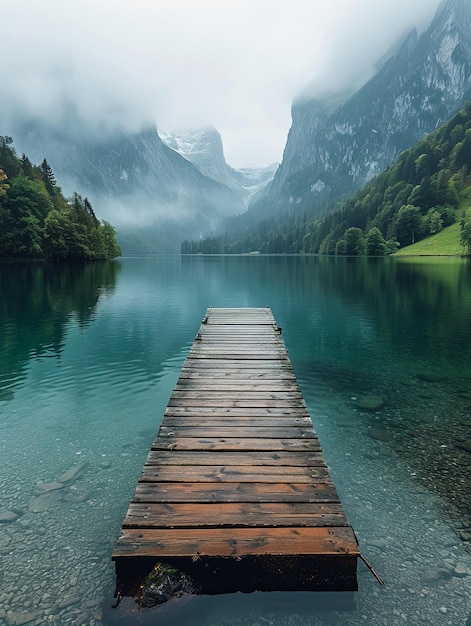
<point x="332" y="152"/>
<point x="152" y="195"/>
<point x="204" y="148"/>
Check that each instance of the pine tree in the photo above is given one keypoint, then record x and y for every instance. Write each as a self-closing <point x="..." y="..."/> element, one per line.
<point x="48" y="176"/>
<point x="27" y="166"/>
<point x="89" y="209"/>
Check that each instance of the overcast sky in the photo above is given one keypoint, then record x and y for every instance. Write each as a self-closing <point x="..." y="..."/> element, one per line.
<point x="233" y="65"/>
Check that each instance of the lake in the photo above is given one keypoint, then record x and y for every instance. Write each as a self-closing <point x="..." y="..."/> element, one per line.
<point x="89" y="356"/>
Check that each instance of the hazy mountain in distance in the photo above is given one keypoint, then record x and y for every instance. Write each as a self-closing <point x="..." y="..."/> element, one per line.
<point x="204" y="148"/>
<point x="151" y="194"/>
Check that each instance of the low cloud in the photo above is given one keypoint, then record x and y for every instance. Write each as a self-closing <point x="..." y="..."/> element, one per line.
<point x="238" y="66"/>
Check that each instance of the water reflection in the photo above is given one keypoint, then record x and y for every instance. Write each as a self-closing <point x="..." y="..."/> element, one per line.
<point x="209" y="609"/>
<point x="37" y="301"/>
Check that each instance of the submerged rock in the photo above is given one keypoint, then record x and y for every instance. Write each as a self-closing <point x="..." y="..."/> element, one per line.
<point x="165" y="583"/>
<point x="73" y="473"/>
<point x="460" y="571"/>
<point x="45" y="502"/>
<point x="77" y="494"/>
<point x="20" y="619"/>
<point x="380" y="434"/>
<point x="435" y="575"/>
<point x="45" y="487"/>
<point x="7" y="516"/>
<point x="369" y="403"/>
<point x="67" y="601"/>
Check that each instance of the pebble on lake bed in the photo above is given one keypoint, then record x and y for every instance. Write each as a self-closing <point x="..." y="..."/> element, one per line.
<point x="73" y="473"/>
<point x="369" y="403"/>
<point x="45" y="487"/>
<point x="7" y="517"/>
<point x="21" y="619"/>
<point x="380" y="434"/>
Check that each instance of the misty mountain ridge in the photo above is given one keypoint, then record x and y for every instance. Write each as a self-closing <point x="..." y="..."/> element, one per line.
<point x="333" y="150"/>
<point x="150" y="193"/>
<point x="204" y="148"/>
<point x="157" y="195"/>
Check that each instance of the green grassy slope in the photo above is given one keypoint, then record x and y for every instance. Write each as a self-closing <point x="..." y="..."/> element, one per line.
<point x="444" y="243"/>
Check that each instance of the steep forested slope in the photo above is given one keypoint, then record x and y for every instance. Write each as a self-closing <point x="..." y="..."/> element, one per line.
<point x="37" y="221"/>
<point x="335" y="148"/>
<point x="416" y="197"/>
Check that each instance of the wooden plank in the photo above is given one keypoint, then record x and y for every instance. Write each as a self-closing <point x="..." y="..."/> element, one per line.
<point x="236" y="401"/>
<point x="210" y="365"/>
<point x="204" y="338"/>
<point x="250" y="317"/>
<point x="234" y="474"/>
<point x="243" y="432"/>
<point x="245" y="311"/>
<point x="226" y="421"/>
<point x="245" y="349"/>
<point x="233" y="444"/>
<point x="255" y="333"/>
<point x="249" y="341"/>
<point x="247" y="374"/>
<point x="208" y="337"/>
<point x="231" y="384"/>
<point x="194" y="543"/>
<point x="236" y="355"/>
<point x="233" y="514"/>
<point x="249" y="411"/>
<point x="272" y="459"/>
<point x="292" y="397"/>
<point x="236" y="492"/>
<point x="240" y="321"/>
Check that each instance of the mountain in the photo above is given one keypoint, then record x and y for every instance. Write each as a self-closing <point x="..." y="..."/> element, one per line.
<point x="151" y="194"/>
<point x="204" y="148"/>
<point x="427" y="191"/>
<point x="424" y="192"/>
<point x="335" y="148"/>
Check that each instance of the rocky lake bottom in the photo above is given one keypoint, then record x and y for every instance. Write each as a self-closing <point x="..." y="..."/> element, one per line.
<point x="403" y="473"/>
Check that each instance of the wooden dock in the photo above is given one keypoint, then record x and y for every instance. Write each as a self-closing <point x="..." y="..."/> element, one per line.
<point x="235" y="490"/>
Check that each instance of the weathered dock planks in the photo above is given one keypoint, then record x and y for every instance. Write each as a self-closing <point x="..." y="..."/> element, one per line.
<point x="235" y="490"/>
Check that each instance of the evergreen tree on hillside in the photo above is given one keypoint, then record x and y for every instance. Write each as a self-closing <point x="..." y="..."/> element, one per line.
<point x="89" y="209"/>
<point x="48" y="176"/>
<point x="36" y="221"/>
<point x="27" y="166"/>
<point x="9" y="162"/>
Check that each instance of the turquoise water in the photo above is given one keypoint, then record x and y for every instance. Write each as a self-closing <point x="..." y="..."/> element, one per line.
<point x="88" y="360"/>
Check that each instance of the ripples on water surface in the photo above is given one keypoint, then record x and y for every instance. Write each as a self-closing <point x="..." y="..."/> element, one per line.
<point x="88" y="360"/>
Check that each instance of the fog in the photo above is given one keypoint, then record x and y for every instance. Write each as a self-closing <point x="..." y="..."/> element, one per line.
<point x="104" y="64"/>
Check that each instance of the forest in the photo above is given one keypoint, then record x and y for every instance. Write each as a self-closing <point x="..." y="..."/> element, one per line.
<point x="424" y="192"/>
<point x="38" y="222"/>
